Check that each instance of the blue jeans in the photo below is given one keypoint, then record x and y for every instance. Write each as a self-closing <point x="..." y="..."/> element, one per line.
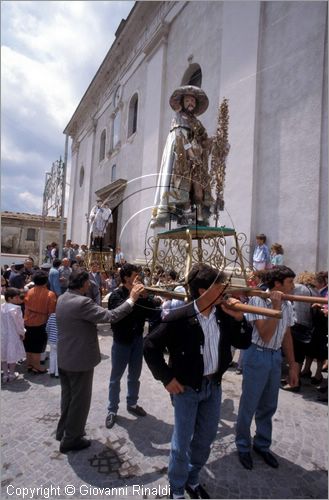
<point x="196" y="423"/>
<point x="124" y="355"/>
<point x="261" y="370"/>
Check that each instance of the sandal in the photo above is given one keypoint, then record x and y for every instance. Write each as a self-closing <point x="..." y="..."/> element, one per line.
<point x="289" y="388"/>
<point x="36" y="371"/>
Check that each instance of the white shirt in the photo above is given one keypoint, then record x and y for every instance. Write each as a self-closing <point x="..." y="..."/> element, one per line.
<point x="211" y="333"/>
<point x="286" y="321"/>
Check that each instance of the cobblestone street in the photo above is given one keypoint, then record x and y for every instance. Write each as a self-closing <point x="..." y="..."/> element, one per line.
<point x="133" y="455"/>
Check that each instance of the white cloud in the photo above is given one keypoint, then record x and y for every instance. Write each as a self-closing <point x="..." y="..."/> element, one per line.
<point x="50" y="52"/>
<point x="28" y="83"/>
<point x="10" y="152"/>
<point x="31" y="201"/>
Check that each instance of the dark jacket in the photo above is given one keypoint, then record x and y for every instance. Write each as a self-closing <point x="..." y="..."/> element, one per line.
<point x="17" y="280"/>
<point x="132" y="325"/>
<point x="181" y="333"/>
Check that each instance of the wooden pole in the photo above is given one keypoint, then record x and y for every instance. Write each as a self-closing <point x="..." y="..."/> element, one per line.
<point x="264" y="311"/>
<point x="256" y="292"/>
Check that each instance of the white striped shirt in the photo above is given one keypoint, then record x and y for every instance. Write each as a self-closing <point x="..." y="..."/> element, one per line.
<point x="211" y="333"/>
<point x="51" y="329"/>
<point x="286" y="321"/>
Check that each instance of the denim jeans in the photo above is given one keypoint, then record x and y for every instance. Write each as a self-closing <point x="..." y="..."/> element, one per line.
<point x="196" y="423"/>
<point x="124" y="355"/>
<point x="261" y="371"/>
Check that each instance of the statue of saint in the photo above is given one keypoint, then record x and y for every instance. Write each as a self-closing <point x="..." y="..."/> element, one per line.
<point x="184" y="185"/>
<point x="99" y="218"/>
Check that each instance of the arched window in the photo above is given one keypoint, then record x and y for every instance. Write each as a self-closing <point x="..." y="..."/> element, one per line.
<point x="132" y="116"/>
<point x="113" y="173"/>
<point x="116" y="129"/>
<point x="193" y="76"/>
<point x="102" y="146"/>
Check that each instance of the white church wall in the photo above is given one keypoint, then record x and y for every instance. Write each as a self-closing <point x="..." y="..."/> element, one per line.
<point x="322" y="250"/>
<point x="238" y="73"/>
<point x="287" y="170"/>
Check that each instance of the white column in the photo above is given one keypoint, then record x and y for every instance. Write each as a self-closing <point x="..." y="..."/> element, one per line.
<point x="239" y="47"/>
<point x="73" y="177"/>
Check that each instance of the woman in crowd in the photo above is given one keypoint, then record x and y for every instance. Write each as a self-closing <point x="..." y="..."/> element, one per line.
<point x="301" y="331"/>
<point x="39" y="304"/>
<point x="318" y="348"/>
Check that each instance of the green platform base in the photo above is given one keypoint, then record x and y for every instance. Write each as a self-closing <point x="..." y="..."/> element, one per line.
<point x="197" y="232"/>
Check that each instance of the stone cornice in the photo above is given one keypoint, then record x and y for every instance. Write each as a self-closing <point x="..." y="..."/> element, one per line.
<point x="159" y="36"/>
<point x="137" y="36"/>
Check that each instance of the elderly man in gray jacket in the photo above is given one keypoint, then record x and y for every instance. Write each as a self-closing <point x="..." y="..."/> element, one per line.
<point x="78" y="353"/>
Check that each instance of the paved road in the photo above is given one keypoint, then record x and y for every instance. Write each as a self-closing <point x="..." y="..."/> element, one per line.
<point x="133" y="456"/>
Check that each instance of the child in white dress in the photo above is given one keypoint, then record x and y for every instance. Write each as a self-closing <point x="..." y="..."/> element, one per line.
<point x="12" y="334"/>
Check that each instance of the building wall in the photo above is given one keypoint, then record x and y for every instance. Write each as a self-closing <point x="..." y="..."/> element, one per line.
<point x="288" y="128"/>
<point x="14" y="234"/>
<point x="270" y="60"/>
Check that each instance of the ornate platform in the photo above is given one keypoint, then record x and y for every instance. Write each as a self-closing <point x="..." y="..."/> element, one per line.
<point x="220" y="247"/>
<point x="104" y="259"/>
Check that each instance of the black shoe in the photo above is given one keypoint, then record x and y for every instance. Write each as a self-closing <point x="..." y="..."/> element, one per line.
<point x="81" y="444"/>
<point x="59" y="436"/>
<point x="245" y="459"/>
<point x="110" y="420"/>
<point x="316" y="381"/>
<point x="137" y="410"/>
<point x="306" y="374"/>
<point x="267" y="457"/>
<point x="323" y="397"/>
<point x="197" y="492"/>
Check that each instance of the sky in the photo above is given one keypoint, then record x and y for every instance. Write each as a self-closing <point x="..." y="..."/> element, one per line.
<point x="50" y="52"/>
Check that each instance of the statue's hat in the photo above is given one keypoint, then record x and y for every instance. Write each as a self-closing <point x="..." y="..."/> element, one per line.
<point x="201" y="98"/>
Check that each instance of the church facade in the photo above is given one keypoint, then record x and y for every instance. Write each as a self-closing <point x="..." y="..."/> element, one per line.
<point x="269" y="60"/>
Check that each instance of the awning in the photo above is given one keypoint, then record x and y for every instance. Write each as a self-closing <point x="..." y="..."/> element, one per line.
<point x="112" y="193"/>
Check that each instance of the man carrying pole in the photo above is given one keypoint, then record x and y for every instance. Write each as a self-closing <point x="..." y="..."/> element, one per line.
<point x="261" y="368"/>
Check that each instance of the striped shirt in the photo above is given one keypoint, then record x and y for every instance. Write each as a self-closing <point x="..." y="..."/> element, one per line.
<point x="51" y="329"/>
<point x="211" y="333"/>
<point x="285" y="322"/>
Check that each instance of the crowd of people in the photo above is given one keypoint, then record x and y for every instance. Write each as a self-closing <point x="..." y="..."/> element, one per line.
<point x="189" y="345"/>
<point x="60" y="305"/>
<point x="77" y="253"/>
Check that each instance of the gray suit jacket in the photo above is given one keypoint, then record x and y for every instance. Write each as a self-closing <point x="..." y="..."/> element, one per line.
<point x="77" y="317"/>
